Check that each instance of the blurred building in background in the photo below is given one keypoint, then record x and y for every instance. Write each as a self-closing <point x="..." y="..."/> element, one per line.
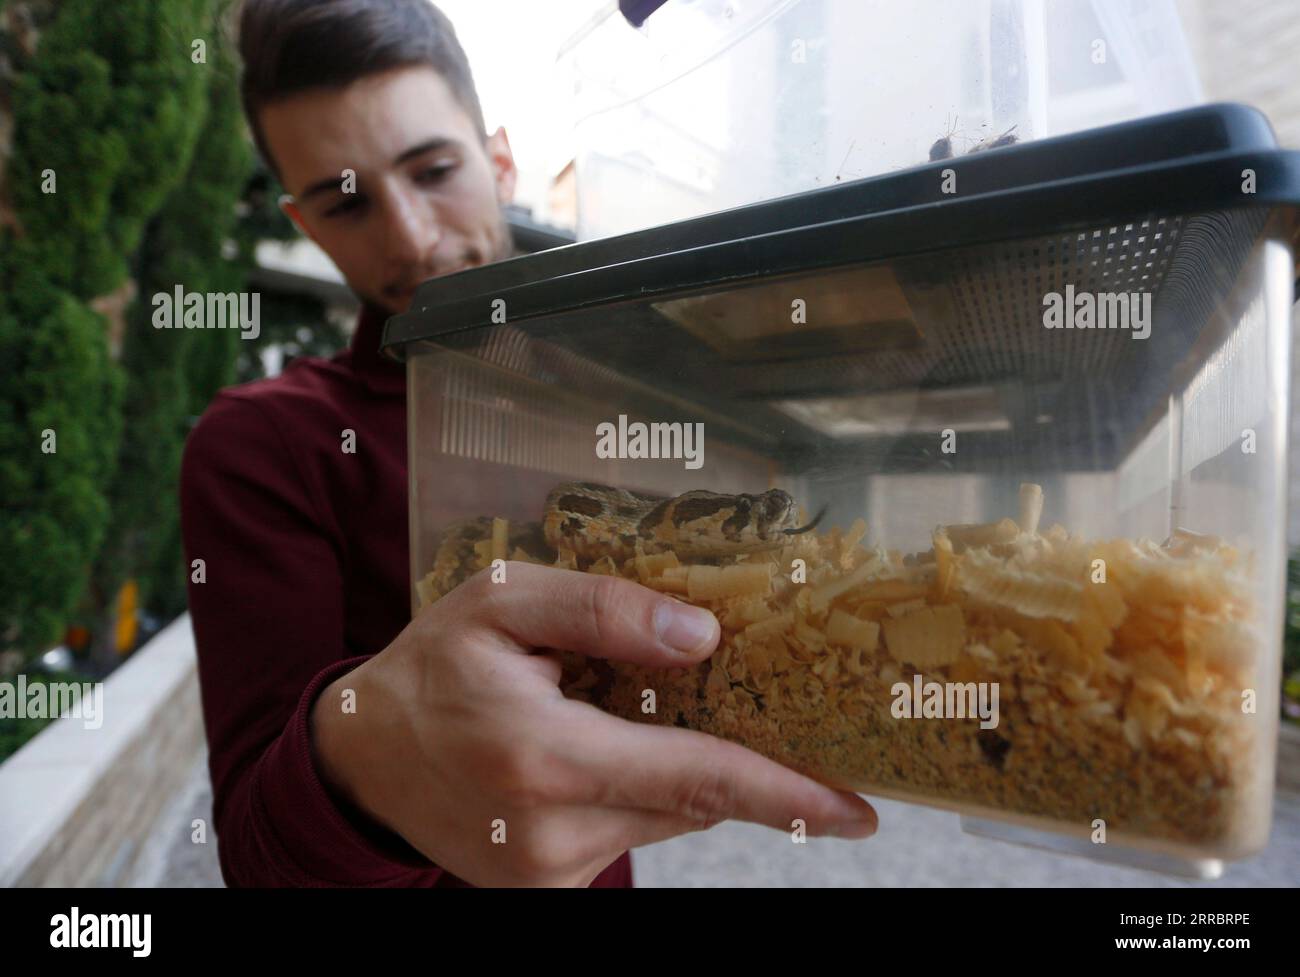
<point x="1246" y="52"/>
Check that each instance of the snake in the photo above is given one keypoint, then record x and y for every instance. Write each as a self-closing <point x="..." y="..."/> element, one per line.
<point x="594" y="521"/>
<point x="598" y="520"/>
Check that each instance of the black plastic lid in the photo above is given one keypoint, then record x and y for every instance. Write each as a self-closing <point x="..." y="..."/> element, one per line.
<point x="1182" y="162"/>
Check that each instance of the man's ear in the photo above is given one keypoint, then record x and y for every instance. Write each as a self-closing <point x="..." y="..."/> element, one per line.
<point x="503" y="165"/>
<point x="291" y="211"/>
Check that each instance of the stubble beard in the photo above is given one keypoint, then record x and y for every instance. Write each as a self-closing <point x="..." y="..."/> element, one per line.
<point x="501" y="243"/>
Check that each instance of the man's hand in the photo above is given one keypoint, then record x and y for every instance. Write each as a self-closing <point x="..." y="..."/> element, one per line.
<point x="461" y="722"/>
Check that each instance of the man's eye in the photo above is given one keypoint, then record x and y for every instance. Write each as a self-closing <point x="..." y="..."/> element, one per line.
<point x="435" y="174"/>
<point x="351" y="203"/>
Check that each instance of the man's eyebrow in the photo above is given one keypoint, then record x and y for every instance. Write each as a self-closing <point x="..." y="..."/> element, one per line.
<point x="321" y="186"/>
<point x="437" y="142"/>
<point x="333" y="182"/>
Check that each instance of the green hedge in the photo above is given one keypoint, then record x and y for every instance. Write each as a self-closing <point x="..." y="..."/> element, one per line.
<point x="15" y="732"/>
<point x="114" y="105"/>
<point x="174" y="373"/>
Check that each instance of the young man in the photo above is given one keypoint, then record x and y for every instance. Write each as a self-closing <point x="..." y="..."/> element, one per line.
<point x="350" y="745"/>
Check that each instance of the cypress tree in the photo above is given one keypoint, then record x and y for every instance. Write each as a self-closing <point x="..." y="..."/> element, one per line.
<point x="107" y="112"/>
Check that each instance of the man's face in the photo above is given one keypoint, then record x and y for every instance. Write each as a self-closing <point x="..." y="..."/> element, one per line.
<point x="428" y="189"/>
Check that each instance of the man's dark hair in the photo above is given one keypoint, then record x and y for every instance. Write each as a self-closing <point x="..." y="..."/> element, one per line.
<point x="289" y="46"/>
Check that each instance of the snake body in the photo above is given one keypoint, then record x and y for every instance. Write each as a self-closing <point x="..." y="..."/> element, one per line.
<point x="595" y="521"/>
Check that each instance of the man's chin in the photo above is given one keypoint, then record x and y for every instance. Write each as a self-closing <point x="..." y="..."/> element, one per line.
<point x="386" y="304"/>
<point x="395" y="303"/>
<point x="402" y="302"/>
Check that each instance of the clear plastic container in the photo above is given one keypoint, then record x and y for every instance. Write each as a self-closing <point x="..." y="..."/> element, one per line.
<point x="716" y="103"/>
<point x="1084" y="522"/>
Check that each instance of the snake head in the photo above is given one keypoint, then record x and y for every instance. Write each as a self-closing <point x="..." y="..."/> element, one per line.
<point x="778" y="514"/>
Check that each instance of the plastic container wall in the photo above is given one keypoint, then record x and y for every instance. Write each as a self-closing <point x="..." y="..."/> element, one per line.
<point x="718" y="103"/>
<point x="1135" y="442"/>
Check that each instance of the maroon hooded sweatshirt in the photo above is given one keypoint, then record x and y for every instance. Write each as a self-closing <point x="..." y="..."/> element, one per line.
<point x="305" y="567"/>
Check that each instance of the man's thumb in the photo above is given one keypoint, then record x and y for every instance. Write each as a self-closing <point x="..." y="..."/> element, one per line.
<point x="597" y="615"/>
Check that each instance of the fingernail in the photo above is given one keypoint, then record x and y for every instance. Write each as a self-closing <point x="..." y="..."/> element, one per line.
<point x="684" y="627"/>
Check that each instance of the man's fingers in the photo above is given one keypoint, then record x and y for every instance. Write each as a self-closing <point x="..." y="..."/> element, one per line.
<point x="572" y="845"/>
<point x="601" y="616"/>
<point x="704" y="779"/>
<point x="545" y="664"/>
<point x="602" y="833"/>
<point x="637" y="828"/>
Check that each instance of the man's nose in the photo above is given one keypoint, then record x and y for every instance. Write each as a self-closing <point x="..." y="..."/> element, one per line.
<point x="411" y="231"/>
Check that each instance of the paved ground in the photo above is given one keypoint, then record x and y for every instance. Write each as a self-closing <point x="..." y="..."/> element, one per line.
<point x="179" y="862"/>
<point x="915" y="846"/>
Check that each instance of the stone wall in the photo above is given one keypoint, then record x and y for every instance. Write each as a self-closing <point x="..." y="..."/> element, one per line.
<point x="80" y="806"/>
